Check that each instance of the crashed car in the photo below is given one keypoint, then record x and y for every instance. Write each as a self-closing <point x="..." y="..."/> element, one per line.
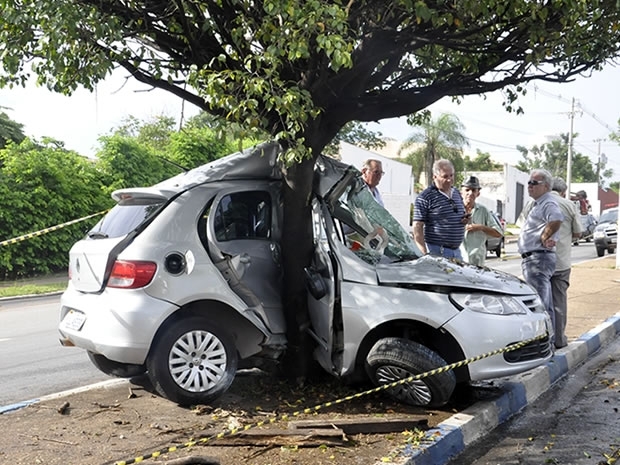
<point x="182" y="281"/>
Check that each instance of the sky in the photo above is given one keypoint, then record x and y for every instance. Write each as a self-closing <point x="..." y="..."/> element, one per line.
<point x="79" y="120"/>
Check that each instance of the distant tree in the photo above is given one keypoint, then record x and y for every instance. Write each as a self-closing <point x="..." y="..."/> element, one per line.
<point x="47" y="185"/>
<point x="553" y="156"/>
<point x="123" y="161"/>
<point x="358" y="134"/>
<point x="435" y="139"/>
<point x="482" y="162"/>
<point x="10" y="130"/>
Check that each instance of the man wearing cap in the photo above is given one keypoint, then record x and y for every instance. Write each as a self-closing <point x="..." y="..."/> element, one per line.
<point x="481" y="225"/>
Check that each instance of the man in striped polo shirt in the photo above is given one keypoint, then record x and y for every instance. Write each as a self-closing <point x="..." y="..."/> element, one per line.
<point x="439" y="214"/>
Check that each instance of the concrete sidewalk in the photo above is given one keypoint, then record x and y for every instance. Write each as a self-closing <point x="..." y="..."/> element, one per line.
<point x="593" y="321"/>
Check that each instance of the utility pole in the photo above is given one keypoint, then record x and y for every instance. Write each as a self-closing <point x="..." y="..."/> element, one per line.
<point x="600" y="159"/>
<point x="569" y="162"/>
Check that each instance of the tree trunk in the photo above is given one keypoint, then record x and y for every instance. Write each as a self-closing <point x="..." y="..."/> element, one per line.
<point x="296" y="255"/>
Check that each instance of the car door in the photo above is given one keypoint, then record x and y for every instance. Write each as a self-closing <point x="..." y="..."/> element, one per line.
<point x="323" y="301"/>
<point x="244" y="231"/>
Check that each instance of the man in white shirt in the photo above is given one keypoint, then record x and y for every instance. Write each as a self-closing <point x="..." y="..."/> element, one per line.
<point x="372" y="172"/>
<point x="570" y="230"/>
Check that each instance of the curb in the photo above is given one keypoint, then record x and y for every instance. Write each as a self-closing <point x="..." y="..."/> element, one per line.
<point x="453" y="435"/>
<point x="59" y="395"/>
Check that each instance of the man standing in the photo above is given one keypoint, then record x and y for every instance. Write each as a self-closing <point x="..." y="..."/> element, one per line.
<point x="372" y="172"/>
<point x="481" y="225"/>
<point x="538" y="237"/>
<point x="570" y="230"/>
<point x="439" y="214"/>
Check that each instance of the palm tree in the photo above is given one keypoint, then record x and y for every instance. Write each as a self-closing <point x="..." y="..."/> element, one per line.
<point x="435" y="139"/>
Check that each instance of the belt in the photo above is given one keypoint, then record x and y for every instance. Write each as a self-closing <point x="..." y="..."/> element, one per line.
<point x="527" y="254"/>
<point x="451" y="247"/>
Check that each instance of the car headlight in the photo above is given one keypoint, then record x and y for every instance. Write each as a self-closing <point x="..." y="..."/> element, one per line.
<point x="598" y="234"/>
<point x="492" y="304"/>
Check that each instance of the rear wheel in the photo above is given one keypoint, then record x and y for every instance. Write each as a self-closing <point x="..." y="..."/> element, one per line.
<point x="194" y="361"/>
<point x="112" y="368"/>
<point x="392" y="359"/>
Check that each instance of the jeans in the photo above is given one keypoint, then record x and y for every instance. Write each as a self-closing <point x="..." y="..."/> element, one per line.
<point x="434" y="249"/>
<point x="538" y="269"/>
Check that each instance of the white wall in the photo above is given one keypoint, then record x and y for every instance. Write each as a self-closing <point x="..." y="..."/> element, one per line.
<point x="509" y="187"/>
<point x="396" y="185"/>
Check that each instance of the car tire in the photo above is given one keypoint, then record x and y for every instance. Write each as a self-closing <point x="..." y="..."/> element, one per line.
<point x="391" y="359"/>
<point x="498" y="251"/>
<point x="600" y="251"/>
<point x="193" y="361"/>
<point x="112" y="368"/>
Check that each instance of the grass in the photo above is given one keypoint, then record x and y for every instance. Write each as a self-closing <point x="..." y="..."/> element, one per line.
<point x="17" y="289"/>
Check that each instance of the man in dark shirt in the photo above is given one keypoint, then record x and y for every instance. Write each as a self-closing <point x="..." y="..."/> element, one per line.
<point x="439" y="214"/>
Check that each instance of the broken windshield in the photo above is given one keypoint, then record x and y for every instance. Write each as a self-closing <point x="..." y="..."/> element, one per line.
<point x="369" y="229"/>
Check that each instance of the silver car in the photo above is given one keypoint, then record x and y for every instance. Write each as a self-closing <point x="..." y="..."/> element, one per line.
<point x="181" y="280"/>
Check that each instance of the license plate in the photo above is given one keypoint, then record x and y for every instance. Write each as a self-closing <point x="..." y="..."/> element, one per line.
<point x="74" y="320"/>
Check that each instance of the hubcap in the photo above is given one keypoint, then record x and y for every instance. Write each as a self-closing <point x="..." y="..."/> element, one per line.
<point x="197" y="361"/>
<point x="413" y="392"/>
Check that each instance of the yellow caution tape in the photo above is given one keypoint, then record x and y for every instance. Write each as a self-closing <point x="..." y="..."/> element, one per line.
<point x="316" y="408"/>
<point x="47" y="230"/>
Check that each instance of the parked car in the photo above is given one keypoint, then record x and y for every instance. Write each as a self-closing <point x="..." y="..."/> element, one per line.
<point x="606" y="232"/>
<point x="496" y="244"/>
<point x="182" y="281"/>
<point x="588" y="225"/>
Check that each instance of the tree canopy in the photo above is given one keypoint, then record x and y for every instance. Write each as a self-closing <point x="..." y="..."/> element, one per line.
<point x="301" y="69"/>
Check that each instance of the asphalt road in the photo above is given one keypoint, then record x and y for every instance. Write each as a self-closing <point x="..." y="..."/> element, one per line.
<point x="576" y="422"/>
<point x="511" y="261"/>
<point x="32" y="361"/>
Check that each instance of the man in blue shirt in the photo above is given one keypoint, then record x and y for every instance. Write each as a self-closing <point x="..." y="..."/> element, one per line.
<point x="538" y="237"/>
<point x="439" y="214"/>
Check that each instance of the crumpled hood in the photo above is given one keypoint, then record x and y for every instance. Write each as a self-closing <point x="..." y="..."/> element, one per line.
<point x="441" y="272"/>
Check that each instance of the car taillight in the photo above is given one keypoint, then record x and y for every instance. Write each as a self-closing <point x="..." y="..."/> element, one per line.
<point x="131" y="274"/>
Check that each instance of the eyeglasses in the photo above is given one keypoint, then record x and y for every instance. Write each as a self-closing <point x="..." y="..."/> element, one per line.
<point x="378" y="172"/>
<point x="455" y="208"/>
<point x="534" y="182"/>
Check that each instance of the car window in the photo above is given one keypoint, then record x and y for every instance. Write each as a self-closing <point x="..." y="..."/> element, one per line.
<point x="124" y="218"/>
<point x="243" y="215"/>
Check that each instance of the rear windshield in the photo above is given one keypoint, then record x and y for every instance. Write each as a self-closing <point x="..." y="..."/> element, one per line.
<point x="124" y="218"/>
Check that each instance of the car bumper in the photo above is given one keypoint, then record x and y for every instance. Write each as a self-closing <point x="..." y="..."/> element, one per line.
<point x="480" y="334"/>
<point x="108" y="323"/>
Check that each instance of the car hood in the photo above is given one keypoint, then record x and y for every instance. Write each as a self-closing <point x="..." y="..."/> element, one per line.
<point x="440" y="272"/>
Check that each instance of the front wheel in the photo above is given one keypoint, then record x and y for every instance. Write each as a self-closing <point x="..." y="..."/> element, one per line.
<point x="193" y="361"/>
<point x="392" y="359"/>
<point x="600" y="251"/>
